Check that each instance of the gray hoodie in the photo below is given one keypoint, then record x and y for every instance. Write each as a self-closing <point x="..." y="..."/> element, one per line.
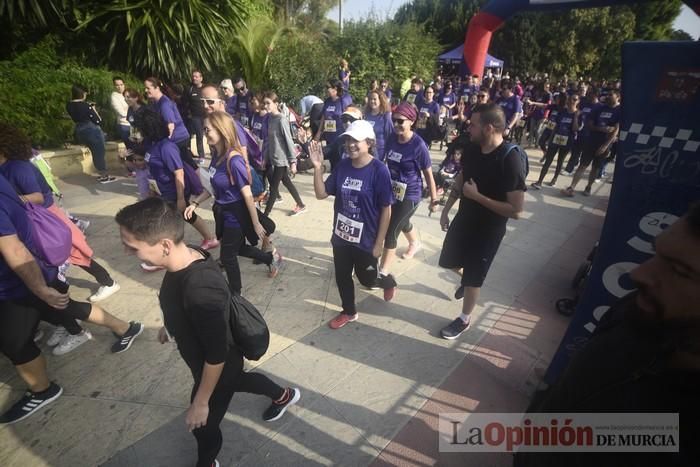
<point x="279" y="146"/>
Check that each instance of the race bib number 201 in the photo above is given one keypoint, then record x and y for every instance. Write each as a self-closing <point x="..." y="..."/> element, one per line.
<point x="348" y="229"/>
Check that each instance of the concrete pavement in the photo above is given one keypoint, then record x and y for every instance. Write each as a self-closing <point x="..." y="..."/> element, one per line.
<point x="370" y="391"/>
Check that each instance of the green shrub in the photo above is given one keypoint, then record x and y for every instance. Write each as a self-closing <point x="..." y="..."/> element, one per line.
<point x="36" y="84"/>
<point x="300" y="65"/>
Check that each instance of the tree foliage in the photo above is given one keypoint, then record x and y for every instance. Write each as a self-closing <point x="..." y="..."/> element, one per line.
<point x="35" y="86"/>
<point x="249" y="48"/>
<point x="571" y="41"/>
<point x="385" y="50"/>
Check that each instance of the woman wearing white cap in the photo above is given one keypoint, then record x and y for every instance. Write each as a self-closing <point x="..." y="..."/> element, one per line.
<point x="361" y="185"/>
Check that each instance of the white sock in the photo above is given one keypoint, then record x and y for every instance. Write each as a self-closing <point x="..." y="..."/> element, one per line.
<point x="465" y="318"/>
<point x="383" y="273"/>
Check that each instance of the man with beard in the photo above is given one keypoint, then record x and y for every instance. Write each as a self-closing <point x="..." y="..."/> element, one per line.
<point x="491" y="189"/>
<point x="644" y="356"/>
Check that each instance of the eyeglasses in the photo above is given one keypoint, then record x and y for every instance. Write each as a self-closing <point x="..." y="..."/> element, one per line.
<point x="240" y="89"/>
<point x="398" y="121"/>
<point x="210" y="101"/>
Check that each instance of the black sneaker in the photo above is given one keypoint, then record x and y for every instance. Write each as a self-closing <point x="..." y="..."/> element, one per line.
<point x="454" y="329"/>
<point x="459" y="293"/>
<point x="275" y="411"/>
<point x="124" y="342"/>
<point x="30" y="403"/>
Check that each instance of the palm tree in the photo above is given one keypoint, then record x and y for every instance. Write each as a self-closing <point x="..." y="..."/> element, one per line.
<point x="166" y="38"/>
<point x="35" y="12"/>
<point x="250" y="48"/>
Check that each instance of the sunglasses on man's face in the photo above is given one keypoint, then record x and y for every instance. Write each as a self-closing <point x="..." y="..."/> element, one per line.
<point x="210" y="101"/>
<point x="240" y="89"/>
<point x="398" y="121"/>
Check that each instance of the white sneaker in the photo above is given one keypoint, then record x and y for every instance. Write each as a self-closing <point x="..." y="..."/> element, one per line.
<point x="104" y="291"/>
<point x="58" y="335"/>
<point x="72" y="342"/>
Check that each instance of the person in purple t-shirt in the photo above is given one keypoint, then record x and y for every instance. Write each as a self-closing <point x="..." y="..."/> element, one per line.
<point x="362" y="209"/>
<point x="604" y="126"/>
<point x="177" y="132"/>
<point x="384" y="87"/>
<point x="226" y="87"/>
<point x="237" y="217"/>
<point x="512" y="107"/>
<point x="167" y="170"/>
<point x="408" y="160"/>
<point x="428" y="116"/>
<point x="344" y="74"/>
<point x="333" y="107"/>
<point x="378" y="114"/>
<point x="448" y="99"/>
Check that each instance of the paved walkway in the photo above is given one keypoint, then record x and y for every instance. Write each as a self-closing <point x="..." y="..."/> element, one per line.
<point x="370" y="392"/>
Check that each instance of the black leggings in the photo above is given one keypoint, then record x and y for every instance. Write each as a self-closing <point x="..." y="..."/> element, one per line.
<point x="549" y="157"/>
<point x="347" y="258"/>
<point x="20" y="317"/>
<point x="281" y="174"/>
<point x="99" y="273"/>
<point x="401" y="213"/>
<point x="233" y="244"/>
<point x="233" y="379"/>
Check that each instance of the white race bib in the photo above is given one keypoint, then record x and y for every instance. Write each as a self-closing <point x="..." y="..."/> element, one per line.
<point x="153" y="186"/>
<point x="550" y="125"/>
<point x="411" y="98"/>
<point x="560" y="140"/>
<point x="399" y="190"/>
<point x="329" y="126"/>
<point x="244" y="120"/>
<point x="348" y="229"/>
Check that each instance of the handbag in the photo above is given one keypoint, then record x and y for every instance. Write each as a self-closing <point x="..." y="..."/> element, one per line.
<point x="52" y="238"/>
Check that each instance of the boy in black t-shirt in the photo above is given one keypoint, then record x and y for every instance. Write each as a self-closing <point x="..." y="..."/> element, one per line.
<point x="491" y="189"/>
<point x="195" y="300"/>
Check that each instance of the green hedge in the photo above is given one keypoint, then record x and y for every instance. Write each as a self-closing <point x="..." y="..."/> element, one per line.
<point x="36" y="84"/>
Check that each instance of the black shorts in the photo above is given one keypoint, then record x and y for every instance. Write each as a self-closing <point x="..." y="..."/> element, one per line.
<point x="471" y="249"/>
<point x="589" y="149"/>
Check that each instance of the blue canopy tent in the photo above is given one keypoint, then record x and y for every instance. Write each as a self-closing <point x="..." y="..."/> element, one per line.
<point x="456" y="56"/>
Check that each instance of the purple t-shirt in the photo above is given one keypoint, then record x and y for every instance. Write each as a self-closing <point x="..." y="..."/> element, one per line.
<point x="168" y="110"/>
<point x="224" y="192"/>
<point x="511" y="106"/>
<point x="258" y="125"/>
<point x="343" y="76"/>
<point x="360" y="195"/>
<point x="13" y="221"/>
<point x="382" y="129"/>
<point x="163" y="160"/>
<point x="447" y="99"/>
<point x="587" y="108"/>
<point x="405" y="162"/>
<point x="27" y="179"/>
<point x="332" y="126"/>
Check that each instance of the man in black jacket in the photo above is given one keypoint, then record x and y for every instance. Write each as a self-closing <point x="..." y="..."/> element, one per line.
<point x="194" y="111"/>
<point x="644" y="356"/>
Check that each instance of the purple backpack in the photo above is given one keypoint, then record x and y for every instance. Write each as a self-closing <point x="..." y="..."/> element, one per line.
<point x="52" y="238"/>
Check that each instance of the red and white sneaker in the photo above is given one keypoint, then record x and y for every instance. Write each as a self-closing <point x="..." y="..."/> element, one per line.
<point x="297" y="210"/>
<point x="209" y="244"/>
<point x="341" y="320"/>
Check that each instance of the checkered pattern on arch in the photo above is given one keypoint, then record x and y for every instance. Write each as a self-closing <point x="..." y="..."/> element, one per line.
<point x="661" y="136"/>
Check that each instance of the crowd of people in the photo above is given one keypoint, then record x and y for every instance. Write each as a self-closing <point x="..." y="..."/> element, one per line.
<point x="380" y="168"/>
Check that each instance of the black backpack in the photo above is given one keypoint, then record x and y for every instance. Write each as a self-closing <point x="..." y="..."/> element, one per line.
<point x="248" y="328"/>
<point x="524" y="162"/>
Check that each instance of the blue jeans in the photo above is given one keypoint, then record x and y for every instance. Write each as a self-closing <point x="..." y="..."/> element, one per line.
<point x="123" y="133"/>
<point x="91" y="136"/>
